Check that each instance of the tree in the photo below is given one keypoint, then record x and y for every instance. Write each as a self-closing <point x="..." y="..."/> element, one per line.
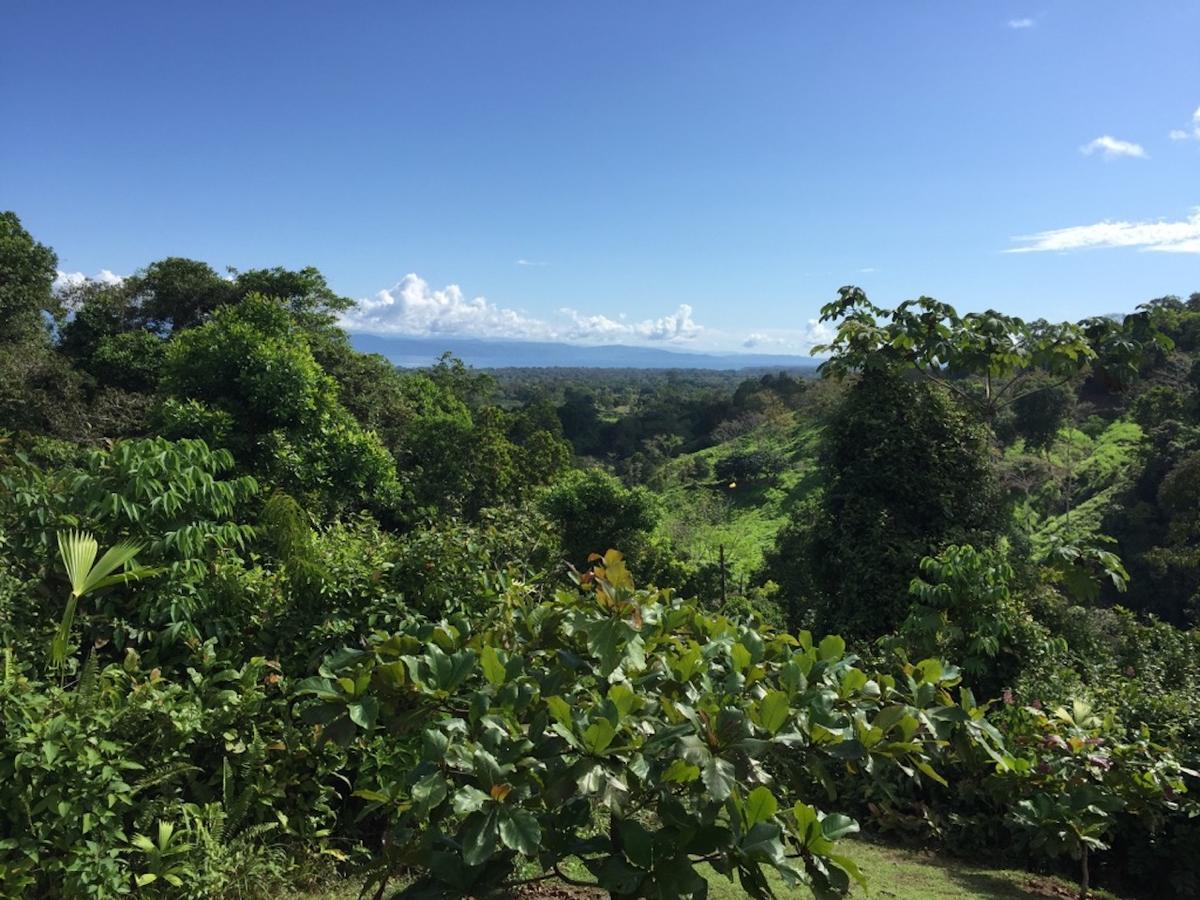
<point x="906" y="473"/>
<point x="756" y="465"/>
<point x="1041" y="411"/>
<point x="250" y="368"/>
<point x="176" y="293"/>
<point x="580" y="420"/>
<point x="27" y="273"/>
<point x="304" y="291"/>
<point x="931" y="339"/>
<point x="595" y="512"/>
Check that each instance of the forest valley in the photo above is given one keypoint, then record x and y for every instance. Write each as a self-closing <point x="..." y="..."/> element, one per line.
<point x="272" y="609"/>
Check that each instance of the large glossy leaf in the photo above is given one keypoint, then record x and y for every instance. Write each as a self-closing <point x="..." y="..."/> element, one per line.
<point x="519" y="831"/>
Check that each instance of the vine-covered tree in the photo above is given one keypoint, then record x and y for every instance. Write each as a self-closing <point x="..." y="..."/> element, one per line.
<point x="906" y="473"/>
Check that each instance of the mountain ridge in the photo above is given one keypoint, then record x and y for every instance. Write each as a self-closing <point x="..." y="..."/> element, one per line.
<point x="412" y="352"/>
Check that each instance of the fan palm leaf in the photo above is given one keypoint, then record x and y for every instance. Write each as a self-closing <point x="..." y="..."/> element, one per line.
<point x="78" y="551"/>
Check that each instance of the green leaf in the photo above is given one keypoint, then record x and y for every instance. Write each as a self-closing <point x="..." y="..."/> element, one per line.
<point x="741" y="658"/>
<point x="561" y="710"/>
<point x="493" y="667"/>
<point x="831" y="647"/>
<point x="623" y="698"/>
<point x="616" y="876"/>
<point x="364" y="712"/>
<point x="681" y="772"/>
<point x="520" y="831"/>
<point x="428" y="793"/>
<point x="773" y="711"/>
<point x="763" y="843"/>
<point x="836" y="825"/>
<point x="760" y="806"/>
<point x="469" y="799"/>
<point x="479" y="837"/>
<point x="849" y="866"/>
<point x="928" y="770"/>
<point x="718" y="778"/>
<point x="636" y="843"/>
<point x="598" y="736"/>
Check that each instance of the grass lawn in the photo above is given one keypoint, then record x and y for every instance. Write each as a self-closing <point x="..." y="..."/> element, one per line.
<point x="893" y="873"/>
<point x="904" y="874"/>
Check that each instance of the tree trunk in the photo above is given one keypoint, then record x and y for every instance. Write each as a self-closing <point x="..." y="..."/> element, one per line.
<point x="1084" y="875"/>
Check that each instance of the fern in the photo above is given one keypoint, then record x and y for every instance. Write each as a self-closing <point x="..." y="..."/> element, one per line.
<point x="85" y="693"/>
<point x="162" y="775"/>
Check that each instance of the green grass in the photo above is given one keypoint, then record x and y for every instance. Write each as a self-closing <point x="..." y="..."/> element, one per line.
<point x="903" y="874"/>
<point x="703" y="516"/>
<point x="892" y="873"/>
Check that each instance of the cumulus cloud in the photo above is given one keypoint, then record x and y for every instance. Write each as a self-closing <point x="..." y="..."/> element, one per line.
<point x="411" y="307"/>
<point x="1178" y="134"/>
<point x="1113" y="148"/>
<point x="74" y="279"/>
<point x="755" y="339"/>
<point x="1019" y="24"/>
<point x="678" y="326"/>
<point x="819" y="332"/>
<point x="794" y="340"/>
<point x="1159" y="237"/>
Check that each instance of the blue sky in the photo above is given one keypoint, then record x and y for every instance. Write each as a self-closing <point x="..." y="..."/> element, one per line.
<point x="689" y="174"/>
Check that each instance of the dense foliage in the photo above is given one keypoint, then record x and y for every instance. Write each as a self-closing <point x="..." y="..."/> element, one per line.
<point x="273" y="611"/>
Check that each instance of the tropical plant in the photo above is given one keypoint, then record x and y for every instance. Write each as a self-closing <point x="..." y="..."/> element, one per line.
<point x="87" y="575"/>
<point x="1072" y="779"/>
<point x="626" y="728"/>
<point x="931" y="339"/>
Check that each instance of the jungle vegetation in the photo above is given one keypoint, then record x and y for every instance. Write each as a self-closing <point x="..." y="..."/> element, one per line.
<point x="273" y="611"/>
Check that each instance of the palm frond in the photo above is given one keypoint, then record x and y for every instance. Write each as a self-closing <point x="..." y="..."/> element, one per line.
<point x="78" y="551"/>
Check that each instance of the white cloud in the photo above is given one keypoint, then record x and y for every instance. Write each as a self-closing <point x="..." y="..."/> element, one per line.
<point x="868" y="270"/>
<point x="819" y="332"/>
<point x="1158" y="237"/>
<point x="678" y="326"/>
<point x="1113" y="148"/>
<point x="74" y="279"/>
<point x="530" y="262"/>
<point x="791" y="341"/>
<point x="1179" y="134"/>
<point x="1019" y="24"/>
<point x="411" y="307"/>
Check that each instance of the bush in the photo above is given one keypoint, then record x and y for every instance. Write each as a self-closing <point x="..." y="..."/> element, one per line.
<point x="593" y="512"/>
<point x="628" y="729"/>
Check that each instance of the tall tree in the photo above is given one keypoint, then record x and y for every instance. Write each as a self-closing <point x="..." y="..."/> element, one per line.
<point x="906" y="474"/>
<point x="177" y="293"/>
<point x="27" y="273"/>
<point x="247" y="380"/>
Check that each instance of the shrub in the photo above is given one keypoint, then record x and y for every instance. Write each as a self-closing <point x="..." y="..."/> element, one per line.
<point x="626" y="728"/>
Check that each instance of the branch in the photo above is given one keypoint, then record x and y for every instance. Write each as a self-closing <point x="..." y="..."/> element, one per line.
<point x="1044" y="387"/>
<point x="945" y="382"/>
<point x="1016" y="380"/>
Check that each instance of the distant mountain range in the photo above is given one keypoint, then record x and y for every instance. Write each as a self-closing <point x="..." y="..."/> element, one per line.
<point x="497" y="354"/>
